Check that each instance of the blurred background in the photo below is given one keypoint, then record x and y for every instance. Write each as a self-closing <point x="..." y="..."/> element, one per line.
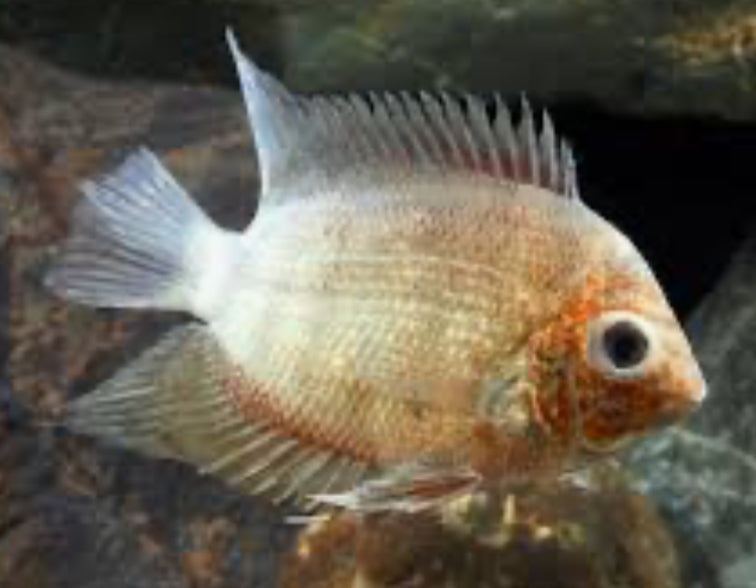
<point x="658" y="98"/>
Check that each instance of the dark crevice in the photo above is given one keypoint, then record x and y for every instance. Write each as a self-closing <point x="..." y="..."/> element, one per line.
<point x="682" y="189"/>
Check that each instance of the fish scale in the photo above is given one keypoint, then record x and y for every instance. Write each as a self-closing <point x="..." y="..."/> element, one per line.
<point x="447" y="270"/>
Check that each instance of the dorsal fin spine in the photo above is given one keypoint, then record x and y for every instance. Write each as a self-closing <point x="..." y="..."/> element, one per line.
<point x="437" y="114"/>
<point x="424" y="132"/>
<point x="332" y="141"/>
<point x="506" y="138"/>
<point x="335" y="122"/>
<point x="570" y="182"/>
<point x="527" y="137"/>
<point x="472" y="135"/>
<point x="369" y="132"/>
<point x="484" y="134"/>
<point x="382" y="132"/>
<point x="404" y="131"/>
<point x="548" y="151"/>
<point x="414" y="131"/>
<point x="360" y="134"/>
<point x="436" y="128"/>
<point x="390" y="133"/>
<point x="460" y="127"/>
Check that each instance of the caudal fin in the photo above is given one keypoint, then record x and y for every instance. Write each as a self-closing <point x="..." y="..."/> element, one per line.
<point x="139" y="241"/>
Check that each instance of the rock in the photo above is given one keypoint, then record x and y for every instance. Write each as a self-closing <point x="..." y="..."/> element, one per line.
<point x="166" y="40"/>
<point x="648" y="57"/>
<point x="704" y="476"/>
<point x="74" y="516"/>
<point x="558" y="536"/>
<point x="74" y="512"/>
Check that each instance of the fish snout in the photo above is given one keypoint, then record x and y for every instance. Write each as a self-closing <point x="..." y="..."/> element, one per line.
<point x="699" y="392"/>
<point x="684" y="398"/>
<point x="694" y="387"/>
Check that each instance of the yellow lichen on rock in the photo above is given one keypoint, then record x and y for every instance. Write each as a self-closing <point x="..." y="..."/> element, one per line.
<point x="725" y="37"/>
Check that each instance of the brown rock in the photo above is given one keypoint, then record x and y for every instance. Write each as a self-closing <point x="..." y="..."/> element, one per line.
<point x="557" y="536"/>
<point x="649" y="57"/>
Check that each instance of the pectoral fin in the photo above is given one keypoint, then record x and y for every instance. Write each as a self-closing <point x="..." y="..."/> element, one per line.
<point x="409" y="487"/>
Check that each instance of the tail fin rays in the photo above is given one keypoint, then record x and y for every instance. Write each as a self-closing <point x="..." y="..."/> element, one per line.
<point x="138" y="241"/>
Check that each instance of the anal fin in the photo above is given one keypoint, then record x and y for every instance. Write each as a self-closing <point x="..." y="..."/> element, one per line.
<point x="172" y="402"/>
<point x="167" y="403"/>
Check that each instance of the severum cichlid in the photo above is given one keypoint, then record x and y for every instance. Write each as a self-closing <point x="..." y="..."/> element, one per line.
<point x="421" y="305"/>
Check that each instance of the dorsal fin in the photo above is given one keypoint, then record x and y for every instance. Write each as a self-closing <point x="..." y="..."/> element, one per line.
<point x="306" y="145"/>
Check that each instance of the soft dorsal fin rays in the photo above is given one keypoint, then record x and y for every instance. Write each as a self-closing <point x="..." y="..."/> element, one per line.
<point x="328" y="143"/>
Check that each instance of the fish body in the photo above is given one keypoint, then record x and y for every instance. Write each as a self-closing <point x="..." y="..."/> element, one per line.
<point x="422" y="303"/>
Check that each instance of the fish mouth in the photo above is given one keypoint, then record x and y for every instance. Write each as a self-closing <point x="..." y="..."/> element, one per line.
<point x="703" y="391"/>
<point x="695" y="391"/>
<point x="680" y="405"/>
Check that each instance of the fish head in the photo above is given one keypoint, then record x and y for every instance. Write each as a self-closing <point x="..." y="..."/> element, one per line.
<point x="615" y="363"/>
<point x="637" y="374"/>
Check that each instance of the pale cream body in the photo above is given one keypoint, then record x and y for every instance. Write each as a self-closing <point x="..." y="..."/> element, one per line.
<point x="381" y="325"/>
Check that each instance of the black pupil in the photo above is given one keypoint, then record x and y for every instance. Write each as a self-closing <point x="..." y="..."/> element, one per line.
<point x="625" y="345"/>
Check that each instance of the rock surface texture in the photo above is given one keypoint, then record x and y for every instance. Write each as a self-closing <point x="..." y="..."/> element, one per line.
<point x="679" y="57"/>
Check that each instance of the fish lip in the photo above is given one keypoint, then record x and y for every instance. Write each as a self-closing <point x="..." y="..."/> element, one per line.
<point x="679" y="406"/>
<point x="703" y="392"/>
<point x="695" y="393"/>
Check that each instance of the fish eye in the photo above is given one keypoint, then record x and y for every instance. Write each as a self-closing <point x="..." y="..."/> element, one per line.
<point x="625" y="345"/>
<point x="619" y="344"/>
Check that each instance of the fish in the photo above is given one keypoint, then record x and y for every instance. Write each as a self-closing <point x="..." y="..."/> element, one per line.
<point x="422" y="306"/>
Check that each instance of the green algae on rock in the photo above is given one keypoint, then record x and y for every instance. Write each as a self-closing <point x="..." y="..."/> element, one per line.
<point x="650" y="57"/>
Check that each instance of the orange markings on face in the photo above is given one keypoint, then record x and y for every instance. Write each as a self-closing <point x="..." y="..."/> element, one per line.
<point x="572" y="393"/>
<point x="626" y="407"/>
<point x="631" y="407"/>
